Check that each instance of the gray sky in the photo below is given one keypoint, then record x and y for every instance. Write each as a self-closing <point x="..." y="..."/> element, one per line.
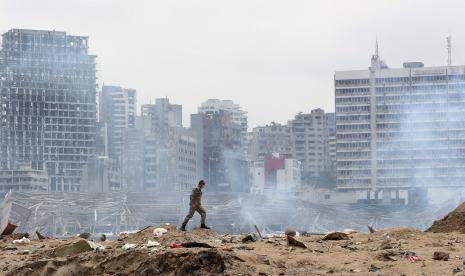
<point x="275" y="58"/>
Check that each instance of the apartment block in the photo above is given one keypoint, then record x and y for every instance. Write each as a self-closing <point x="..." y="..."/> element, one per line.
<point x="312" y="134"/>
<point x="159" y="117"/>
<point x="47" y="104"/>
<point x="219" y="151"/>
<point x="236" y="114"/>
<point x="273" y="138"/>
<point x="400" y="128"/>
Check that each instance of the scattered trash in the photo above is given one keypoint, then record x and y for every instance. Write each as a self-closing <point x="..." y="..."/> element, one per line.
<point x="335" y="236"/>
<point x="293" y="242"/>
<point x="18" y="236"/>
<point x="96" y="246"/>
<point x="175" y="245"/>
<point x="73" y="248"/>
<point x="349" y="231"/>
<point x="195" y="244"/>
<point x="128" y="246"/>
<point x="371" y="229"/>
<point x="413" y="259"/>
<point x="22" y="240"/>
<point x="406" y="254"/>
<point x="84" y="235"/>
<point x="441" y="256"/>
<point x="141" y="230"/>
<point x="103" y="237"/>
<point x="373" y="268"/>
<point x="152" y="243"/>
<point x="159" y="231"/>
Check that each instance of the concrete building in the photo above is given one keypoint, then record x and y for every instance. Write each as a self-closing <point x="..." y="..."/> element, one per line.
<point x="312" y="135"/>
<point x="171" y="164"/>
<point x="276" y="174"/>
<point x="273" y="138"/>
<point x="237" y="115"/>
<point x="159" y="117"/>
<point x="101" y="175"/>
<point x="219" y="151"/>
<point x="47" y="104"/>
<point x="23" y="179"/>
<point x="400" y="128"/>
<point x="117" y="112"/>
<point x="159" y="154"/>
<point x="132" y="160"/>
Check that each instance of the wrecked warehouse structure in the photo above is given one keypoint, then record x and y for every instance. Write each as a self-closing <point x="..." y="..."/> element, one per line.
<point x="47" y="104"/>
<point x="61" y="214"/>
<point x="400" y="131"/>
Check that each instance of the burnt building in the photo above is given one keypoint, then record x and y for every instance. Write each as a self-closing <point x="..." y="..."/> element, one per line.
<point x="219" y="151"/>
<point x="47" y="104"/>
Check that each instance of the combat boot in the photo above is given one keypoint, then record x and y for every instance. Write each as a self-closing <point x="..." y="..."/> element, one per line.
<point x="183" y="227"/>
<point x="204" y="226"/>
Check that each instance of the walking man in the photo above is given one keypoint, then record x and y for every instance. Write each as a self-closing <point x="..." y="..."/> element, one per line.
<point x="196" y="206"/>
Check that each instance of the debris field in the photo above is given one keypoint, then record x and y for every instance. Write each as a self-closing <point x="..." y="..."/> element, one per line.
<point x="164" y="250"/>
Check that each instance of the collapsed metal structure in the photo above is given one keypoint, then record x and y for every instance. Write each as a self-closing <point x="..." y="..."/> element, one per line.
<point x="62" y="214"/>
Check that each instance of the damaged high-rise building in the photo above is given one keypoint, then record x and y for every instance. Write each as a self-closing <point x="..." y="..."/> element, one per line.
<point x="47" y="104"/>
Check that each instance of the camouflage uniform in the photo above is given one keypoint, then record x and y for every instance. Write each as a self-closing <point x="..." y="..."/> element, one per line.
<point x="196" y="206"/>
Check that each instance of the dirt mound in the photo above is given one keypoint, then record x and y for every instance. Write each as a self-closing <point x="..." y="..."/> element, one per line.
<point x="452" y="222"/>
<point x="135" y="262"/>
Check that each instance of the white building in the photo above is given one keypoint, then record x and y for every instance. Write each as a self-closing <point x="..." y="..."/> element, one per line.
<point x="276" y="174"/>
<point x="400" y="128"/>
<point x="117" y="111"/>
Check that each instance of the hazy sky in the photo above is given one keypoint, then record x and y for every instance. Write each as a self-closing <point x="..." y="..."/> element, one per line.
<point x="275" y="58"/>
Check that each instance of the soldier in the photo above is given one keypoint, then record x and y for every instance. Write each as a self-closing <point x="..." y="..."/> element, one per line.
<point x="196" y="205"/>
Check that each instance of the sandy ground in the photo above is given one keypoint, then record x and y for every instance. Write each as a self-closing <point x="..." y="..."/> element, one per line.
<point x="362" y="254"/>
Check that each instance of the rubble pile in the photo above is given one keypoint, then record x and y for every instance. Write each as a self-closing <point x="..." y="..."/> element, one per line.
<point x="164" y="250"/>
<point x="452" y="222"/>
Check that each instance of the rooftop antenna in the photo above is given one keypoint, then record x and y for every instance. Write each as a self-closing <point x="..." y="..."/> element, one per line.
<point x="376" y="48"/>
<point x="449" y="50"/>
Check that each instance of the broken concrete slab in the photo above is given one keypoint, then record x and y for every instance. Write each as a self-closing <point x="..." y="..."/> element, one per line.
<point x="72" y="249"/>
<point x="291" y="241"/>
<point x="441" y="256"/>
<point x="9" y="229"/>
<point x="336" y="236"/>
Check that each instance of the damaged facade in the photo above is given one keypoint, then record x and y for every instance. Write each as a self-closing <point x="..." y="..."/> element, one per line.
<point x="47" y="104"/>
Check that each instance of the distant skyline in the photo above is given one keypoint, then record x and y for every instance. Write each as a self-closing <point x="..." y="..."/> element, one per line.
<point x="274" y="58"/>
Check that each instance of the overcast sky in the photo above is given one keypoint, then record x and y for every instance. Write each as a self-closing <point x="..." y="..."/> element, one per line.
<point x="274" y="58"/>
